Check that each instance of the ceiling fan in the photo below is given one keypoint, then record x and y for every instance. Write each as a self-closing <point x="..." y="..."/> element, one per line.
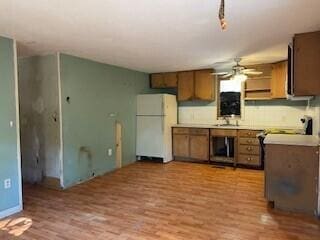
<point x="238" y="72"/>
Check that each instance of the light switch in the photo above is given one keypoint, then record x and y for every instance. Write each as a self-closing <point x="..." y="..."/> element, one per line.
<point x="11" y="123"/>
<point x="109" y="152"/>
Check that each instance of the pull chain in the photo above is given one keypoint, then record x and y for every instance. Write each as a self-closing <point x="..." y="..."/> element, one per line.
<point x="223" y="22"/>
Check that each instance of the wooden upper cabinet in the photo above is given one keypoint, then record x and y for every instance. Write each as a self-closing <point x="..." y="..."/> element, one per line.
<point x="279" y="79"/>
<point x="157" y="80"/>
<point x="259" y="87"/>
<point x="170" y="80"/>
<point x="164" y="80"/>
<point x="306" y="47"/>
<point x="185" y="86"/>
<point x="204" y="85"/>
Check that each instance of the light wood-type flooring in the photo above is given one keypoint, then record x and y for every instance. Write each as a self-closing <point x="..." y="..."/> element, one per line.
<point x="158" y="201"/>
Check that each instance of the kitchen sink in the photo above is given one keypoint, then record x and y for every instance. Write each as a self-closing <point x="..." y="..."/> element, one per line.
<point x="225" y="125"/>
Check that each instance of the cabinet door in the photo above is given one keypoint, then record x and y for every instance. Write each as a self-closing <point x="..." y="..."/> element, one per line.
<point x="185" y="86"/>
<point x="306" y="64"/>
<point x="181" y="145"/>
<point x="278" y="80"/>
<point x="204" y="85"/>
<point x="199" y="147"/>
<point x="170" y="80"/>
<point x="157" y="80"/>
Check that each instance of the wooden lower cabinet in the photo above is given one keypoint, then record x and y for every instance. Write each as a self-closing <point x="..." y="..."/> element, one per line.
<point x="199" y="147"/>
<point x="195" y="144"/>
<point x="181" y="145"/>
<point x="249" y="148"/>
<point x="292" y="177"/>
<point x="191" y="144"/>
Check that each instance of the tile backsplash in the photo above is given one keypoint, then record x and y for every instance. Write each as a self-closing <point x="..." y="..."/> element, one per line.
<point x="255" y="114"/>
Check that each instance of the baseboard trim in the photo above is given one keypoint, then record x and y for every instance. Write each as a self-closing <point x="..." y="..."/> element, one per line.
<point x="10" y="211"/>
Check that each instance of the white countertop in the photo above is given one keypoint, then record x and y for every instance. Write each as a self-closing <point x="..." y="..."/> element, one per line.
<point x="288" y="139"/>
<point x="231" y="127"/>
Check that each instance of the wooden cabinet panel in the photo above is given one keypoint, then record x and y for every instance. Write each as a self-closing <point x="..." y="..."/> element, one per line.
<point x="199" y="147"/>
<point x="254" y="150"/>
<point x="248" y="133"/>
<point x="204" y="85"/>
<point x="157" y="80"/>
<point x="164" y="80"/>
<point x="180" y="130"/>
<point x="249" y="160"/>
<point x="259" y="87"/>
<point x="258" y="84"/>
<point x="278" y="80"/>
<point x="181" y="145"/>
<point x="306" y="64"/>
<point x="170" y="80"/>
<point x="223" y="132"/>
<point x="199" y="131"/>
<point x="248" y="141"/>
<point x="185" y="86"/>
<point x="292" y="177"/>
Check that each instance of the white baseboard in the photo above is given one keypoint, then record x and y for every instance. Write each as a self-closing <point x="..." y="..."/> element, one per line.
<point x="10" y="211"/>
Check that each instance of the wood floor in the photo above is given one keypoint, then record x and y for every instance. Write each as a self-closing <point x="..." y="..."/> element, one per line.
<point x="156" y="201"/>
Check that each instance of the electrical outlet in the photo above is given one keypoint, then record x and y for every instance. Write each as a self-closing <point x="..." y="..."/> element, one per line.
<point x="7" y="183"/>
<point x="109" y="152"/>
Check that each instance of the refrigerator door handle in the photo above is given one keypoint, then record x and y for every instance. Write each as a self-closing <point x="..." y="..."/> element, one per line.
<point x="162" y="124"/>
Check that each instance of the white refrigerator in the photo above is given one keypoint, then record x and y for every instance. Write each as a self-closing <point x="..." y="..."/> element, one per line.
<point x="156" y="114"/>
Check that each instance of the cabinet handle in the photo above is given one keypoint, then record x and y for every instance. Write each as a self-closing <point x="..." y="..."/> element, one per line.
<point x="249" y="159"/>
<point x="249" y="148"/>
<point x="249" y="141"/>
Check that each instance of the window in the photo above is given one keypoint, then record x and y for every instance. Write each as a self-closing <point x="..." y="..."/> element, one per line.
<point x="229" y="98"/>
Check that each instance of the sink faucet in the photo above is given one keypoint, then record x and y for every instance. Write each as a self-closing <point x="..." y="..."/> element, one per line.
<point x="226" y="119"/>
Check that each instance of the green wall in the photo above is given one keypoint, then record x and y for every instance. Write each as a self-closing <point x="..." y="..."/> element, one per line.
<point x="40" y="131"/>
<point x="99" y="95"/>
<point x="9" y="198"/>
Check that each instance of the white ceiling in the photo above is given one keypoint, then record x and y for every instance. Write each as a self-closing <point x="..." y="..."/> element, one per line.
<point x="158" y="35"/>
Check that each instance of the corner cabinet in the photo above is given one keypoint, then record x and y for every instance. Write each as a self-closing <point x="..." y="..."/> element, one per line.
<point x="196" y="85"/>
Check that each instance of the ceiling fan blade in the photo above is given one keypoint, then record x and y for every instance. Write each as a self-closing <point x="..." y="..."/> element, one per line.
<point x="227" y="75"/>
<point x="254" y="73"/>
<point x="219" y="73"/>
<point x="248" y="70"/>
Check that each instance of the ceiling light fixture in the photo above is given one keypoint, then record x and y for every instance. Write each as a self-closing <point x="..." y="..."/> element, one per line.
<point x="239" y="77"/>
<point x="223" y="22"/>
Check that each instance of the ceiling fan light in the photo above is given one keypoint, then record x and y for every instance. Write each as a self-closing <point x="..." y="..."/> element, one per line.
<point x="240" y="77"/>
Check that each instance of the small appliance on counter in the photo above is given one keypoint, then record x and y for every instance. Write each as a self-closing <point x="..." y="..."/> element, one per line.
<point x="307" y="124"/>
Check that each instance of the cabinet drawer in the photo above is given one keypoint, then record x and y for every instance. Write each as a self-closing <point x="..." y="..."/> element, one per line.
<point x="199" y="131"/>
<point x="223" y="132"/>
<point x="248" y="133"/>
<point x="249" y="141"/>
<point x="180" y="130"/>
<point x="251" y="150"/>
<point x="249" y="159"/>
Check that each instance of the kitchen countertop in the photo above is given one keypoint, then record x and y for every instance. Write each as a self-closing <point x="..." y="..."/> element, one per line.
<point x="232" y="127"/>
<point x="287" y="139"/>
